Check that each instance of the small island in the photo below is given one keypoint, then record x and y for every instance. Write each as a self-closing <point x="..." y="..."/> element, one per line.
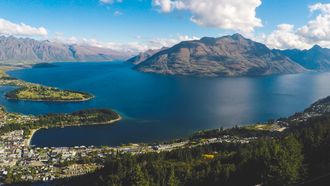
<point x="35" y="92"/>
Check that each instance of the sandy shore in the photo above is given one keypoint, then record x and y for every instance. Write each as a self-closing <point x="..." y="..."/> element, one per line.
<point x="104" y="123"/>
<point x="27" y="141"/>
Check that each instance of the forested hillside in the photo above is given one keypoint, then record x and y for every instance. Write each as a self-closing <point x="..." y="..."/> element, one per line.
<point x="300" y="154"/>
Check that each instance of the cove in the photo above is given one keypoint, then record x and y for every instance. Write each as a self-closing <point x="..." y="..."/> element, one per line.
<point x="157" y="107"/>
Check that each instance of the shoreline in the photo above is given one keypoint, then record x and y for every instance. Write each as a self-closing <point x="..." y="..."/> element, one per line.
<point x="12" y="68"/>
<point x="27" y="141"/>
<point x="56" y="101"/>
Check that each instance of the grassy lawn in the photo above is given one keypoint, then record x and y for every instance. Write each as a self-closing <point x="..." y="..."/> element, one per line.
<point x="47" y="94"/>
<point x="265" y="127"/>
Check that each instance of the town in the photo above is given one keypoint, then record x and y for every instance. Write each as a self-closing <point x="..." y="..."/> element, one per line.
<point x="21" y="162"/>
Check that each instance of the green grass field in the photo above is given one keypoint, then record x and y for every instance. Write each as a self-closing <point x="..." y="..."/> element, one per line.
<point x="47" y="94"/>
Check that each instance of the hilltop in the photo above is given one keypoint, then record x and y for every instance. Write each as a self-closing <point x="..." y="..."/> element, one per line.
<point x="225" y="56"/>
<point x="315" y="58"/>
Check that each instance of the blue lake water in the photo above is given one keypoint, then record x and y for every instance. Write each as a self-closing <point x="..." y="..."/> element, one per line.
<point x="157" y="107"/>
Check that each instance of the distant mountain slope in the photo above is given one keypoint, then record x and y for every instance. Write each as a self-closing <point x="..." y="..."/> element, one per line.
<point x="225" y="56"/>
<point x="143" y="56"/>
<point x="25" y="50"/>
<point x="316" y="58"/>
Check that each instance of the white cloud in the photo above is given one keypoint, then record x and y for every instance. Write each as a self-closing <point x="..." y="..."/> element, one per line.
<point x="9" y="28"/>
<point x="131" y="47"/>
<point x="285" y="37"/>
<point x="325" y="8"/>
<point x="117" y="13"/>
<point x="316" y="31"/>
<point x="110" y="1"/>
<point x="319" y="28"/>
<point x="168" y="5"/>
<point x="238" y="15"/>
<point x="167" y="42"/>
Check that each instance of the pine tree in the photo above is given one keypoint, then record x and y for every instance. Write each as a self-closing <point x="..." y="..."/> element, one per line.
<point x="137" y="178"/>
<point x="172" y="180"/>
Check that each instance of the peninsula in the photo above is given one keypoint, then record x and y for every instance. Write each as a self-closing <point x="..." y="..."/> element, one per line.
<point x="278" y="147"/>
<point x="35" y="92"/>
<point x="30" y="123"/>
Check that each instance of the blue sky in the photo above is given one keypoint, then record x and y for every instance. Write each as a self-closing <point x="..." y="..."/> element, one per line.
<point x="130" y="21"/>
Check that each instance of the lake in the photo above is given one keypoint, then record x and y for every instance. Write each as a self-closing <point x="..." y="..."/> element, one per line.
<point x="157" y="107"/>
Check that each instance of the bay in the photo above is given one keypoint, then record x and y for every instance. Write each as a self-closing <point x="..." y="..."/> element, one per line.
<point x="157" y="107"/>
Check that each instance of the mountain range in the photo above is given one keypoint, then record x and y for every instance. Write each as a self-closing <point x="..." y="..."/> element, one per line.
<point x="225" y="56"/>
<point x="30" y="51"/>
<point x="232" y="55"/>
<point x="316" y="58"/>
<point x="143" y="56"/>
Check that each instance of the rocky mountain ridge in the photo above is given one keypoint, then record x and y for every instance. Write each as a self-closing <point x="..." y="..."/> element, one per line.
<point x="225" y="56"/>
<point x="315" y="58"/>
<point x="30" y="51"/>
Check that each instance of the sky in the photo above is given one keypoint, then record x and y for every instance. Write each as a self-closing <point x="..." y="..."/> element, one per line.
<point x="138" y="25"/>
